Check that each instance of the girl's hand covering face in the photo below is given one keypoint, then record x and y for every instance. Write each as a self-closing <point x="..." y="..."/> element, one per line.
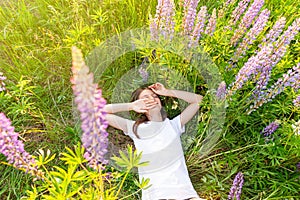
<point x="143" y="105"/>
<point x="159" y="89"/>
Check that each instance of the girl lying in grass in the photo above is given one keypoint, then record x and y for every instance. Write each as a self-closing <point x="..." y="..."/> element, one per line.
<point x="158" y="138"/>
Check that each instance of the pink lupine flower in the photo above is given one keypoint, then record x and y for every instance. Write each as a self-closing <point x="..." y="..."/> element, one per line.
<point x="212" y="22"/>
<point x="238" y="11"/>
<point x="163" y="23"/>
<point x="252" y="34"/>
<point x="13" y="149"/>
<point x="199" y="26"/>
<point x="247" y="20"/>
<point x="275" y="31"/>
<point x="90" y="104"/>
<point x="189" y="15"/>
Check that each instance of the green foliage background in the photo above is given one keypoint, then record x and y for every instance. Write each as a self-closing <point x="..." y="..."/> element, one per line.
<point x="35" y="39"/>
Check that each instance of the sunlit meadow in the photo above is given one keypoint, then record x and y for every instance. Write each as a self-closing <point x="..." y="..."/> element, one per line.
<point x="47" y="154"/>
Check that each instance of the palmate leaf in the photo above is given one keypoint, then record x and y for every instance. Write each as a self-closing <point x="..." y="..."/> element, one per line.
<point x="74" y="157"/>
<point x="129" y="161"/>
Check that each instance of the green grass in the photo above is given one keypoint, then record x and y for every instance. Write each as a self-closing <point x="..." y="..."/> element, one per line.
<point x="35" y="41"/>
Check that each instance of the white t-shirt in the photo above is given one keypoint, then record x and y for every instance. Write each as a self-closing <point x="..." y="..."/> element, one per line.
<point x="160" y="144"/>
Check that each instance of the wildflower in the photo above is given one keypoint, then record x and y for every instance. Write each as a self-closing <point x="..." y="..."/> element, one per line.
<point x="268" y="130"/>
<point x="279" y="50"/>
<point x="238" y="11"/>
<point x="199" y="26"/>
<point x="247" y="20"/>
<point x="142" y="70"/>
<point x="281" y="44"/>
<point x="90" y="105"/>
<point x="163" y="22"/>
<point x="189" y="15"/>
<point x="250" y="68"/>
<point x="211" y="26"/>
<point x="252" y="34"/>
<point x="221" y="92"/>
<point x="275" y="31"/>
<point x="289" y="79"/>
<point x="296" y="128"/>
<point x="2" y="84"/>
<point x="13" y="149"/>
<point x="236" y="188"/>
<point x="297" y="101"/>
<point x="298" y="166"/>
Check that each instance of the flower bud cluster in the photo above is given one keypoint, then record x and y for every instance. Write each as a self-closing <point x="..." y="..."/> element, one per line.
<point x="236" y="188"/>
<point x="297" y="101"/>
<point x="270" y="129"/>
<point x="13" y="149"/>
<point x="246" y="21"/>
<point x="189" y="15"/>
<point x="90" y="104"/>
<point x="212" y="22"/>
<point x="275" y="31"/>
<point x="296" y="129"/>
<point x="238" y="11"/>
<point x="252" y="34"/>
<point x="200" y="23"/>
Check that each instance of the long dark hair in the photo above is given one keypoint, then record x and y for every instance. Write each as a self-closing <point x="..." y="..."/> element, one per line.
<point x="141" y="117"/>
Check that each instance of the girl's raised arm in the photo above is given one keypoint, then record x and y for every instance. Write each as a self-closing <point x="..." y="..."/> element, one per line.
<point x="140" y="106"/>
<point x="191" y="98"/>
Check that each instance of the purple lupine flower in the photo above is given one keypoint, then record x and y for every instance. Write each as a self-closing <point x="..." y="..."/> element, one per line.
<point x="212" y="22"/>
<point x="144" y="74"/>
<point x="297" y="101"/>
<point x="252" y="34"/>
<point x="250" y="68"/>
<point x="200" y="23"/>
<point x="90" y="105"/>
<point x="296" y="128"/>
<point x="2" y="84"/>
<point x="189" y="15"/>
<point x="163" y="22"/>
<point x="280" y="45"/>
<point x="246" y="21"/>
<point x="221" y="92"/>
<point x="238" y="11"/>
<point x="290" y="79"/>
<point x="279" y="49"/>
<point x="236" y="188"/>
<point x="298" y="166"/>
<point x="271" y="128"/>
<point x="13" y="149"/>
<point x="275" y="31"/>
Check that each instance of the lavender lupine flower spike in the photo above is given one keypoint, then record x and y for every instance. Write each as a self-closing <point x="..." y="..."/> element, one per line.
<point x="212" y="22"/>
<point x="221" y="92"/>
<point x="236" y="188"/>
<point x="189" y="15"/>
<point x="199" y="26"/>
<point x="297" y="101"/>
<point x="238" y="11"/>
<point x="252" y="34"/>
<point x="250" y="68"/>
<point x="280" y="47"/>
<point x="2" y="84"/>
<point x="13" y="149"/>
<point x="275" y="31"/>
<point x="290" y="79"/>
<point x="270" y="129"/>
<point x="163" y="22"/>
<point x="90" y="105"/>
<point x="285" y="39"/>
<point x="247" y="20"/>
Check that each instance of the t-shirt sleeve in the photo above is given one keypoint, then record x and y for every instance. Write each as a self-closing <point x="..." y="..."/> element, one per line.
<point x="129" y="124"/>
<point x="176" y="124"/>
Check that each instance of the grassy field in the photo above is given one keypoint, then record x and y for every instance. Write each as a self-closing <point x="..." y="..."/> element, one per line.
<point x="36" y="37"/>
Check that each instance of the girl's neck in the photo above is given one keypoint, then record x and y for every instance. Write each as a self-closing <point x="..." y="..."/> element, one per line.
<point x="156" y="117"/>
